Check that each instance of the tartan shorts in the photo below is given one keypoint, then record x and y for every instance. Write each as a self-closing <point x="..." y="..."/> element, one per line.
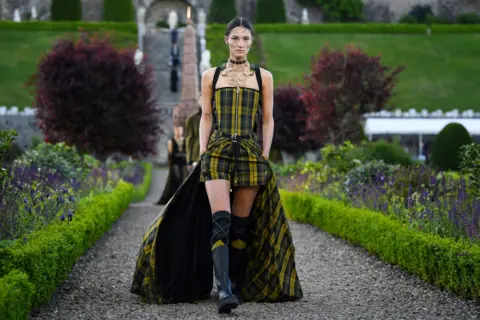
<point x="218" y="162"/>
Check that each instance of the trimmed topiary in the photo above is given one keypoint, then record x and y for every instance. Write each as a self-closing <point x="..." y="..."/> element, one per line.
<point x="222" y="11"/>
<point x="118" y="10"/>
<point x="271" y="11"/>
<point x="448" y="142"/>
<point x="390" y="153"/>
<point x="66" y="10"/>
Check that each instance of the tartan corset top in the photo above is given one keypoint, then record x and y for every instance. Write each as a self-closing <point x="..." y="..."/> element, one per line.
<point x="235" y="110"/>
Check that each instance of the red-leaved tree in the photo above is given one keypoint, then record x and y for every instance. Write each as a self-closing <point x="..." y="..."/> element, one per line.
<point x="91" y="95"/>
<point x="290" y="121"/>
<point x="342" y="86"/>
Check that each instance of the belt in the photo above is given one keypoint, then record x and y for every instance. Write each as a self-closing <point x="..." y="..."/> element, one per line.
<point x="236" y="146"/>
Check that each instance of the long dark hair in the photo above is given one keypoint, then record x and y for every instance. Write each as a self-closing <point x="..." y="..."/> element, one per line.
<point x="239" y="22"/>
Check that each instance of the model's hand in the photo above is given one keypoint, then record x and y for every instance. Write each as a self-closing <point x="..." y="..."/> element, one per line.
<point x="194" y="164"/>
<point x="265" y="157"/>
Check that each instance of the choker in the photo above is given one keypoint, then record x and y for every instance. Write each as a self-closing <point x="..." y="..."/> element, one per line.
<point x="237" y="62"/>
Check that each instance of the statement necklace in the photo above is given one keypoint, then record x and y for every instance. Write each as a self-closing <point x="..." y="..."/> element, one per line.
<point x="237" y="72"/>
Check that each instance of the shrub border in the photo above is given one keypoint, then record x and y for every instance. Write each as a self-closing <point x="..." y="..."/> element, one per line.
<point x="32" y="269"/>
<point x="356" y="28"/>
<point x="125" y="27"/>
<point x="444" y="262"/>
<point x="140" y="192"/>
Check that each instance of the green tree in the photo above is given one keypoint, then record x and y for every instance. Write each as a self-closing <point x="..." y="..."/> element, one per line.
<point x="222" y="11"/>
<point x="118" y="10"/>
<point x="66" y="10"/>
<point x="271" y="11"/>
<point x="448" y="143"/>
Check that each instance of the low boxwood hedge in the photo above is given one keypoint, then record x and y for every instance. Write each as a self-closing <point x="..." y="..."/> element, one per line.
<point x="355" y="28"/>
<point x="48" y="255"/>
<point x="449" y="264"/>
<point x="16" y="294"/>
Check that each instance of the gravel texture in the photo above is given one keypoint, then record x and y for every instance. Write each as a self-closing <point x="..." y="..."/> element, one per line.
<point x="340" y="281"/>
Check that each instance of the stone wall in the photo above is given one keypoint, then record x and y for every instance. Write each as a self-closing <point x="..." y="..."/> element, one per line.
<point x="375" y="10"/>
<point x="23" y="122"/>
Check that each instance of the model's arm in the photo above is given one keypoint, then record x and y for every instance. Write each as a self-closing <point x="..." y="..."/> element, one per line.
<point x="267" y="108"/>
<point x="170" y="146"/>
<point x="207" y="116"/>
<point x="189" y="140"/>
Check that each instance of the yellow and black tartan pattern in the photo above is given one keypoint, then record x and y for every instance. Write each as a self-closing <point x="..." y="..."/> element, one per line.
<point x="235" y="113"/>
<point x="270" y="274"/>
<point x="218" y="161"/>
<point x="230" y="110"/>
<point x="143" y="279"/>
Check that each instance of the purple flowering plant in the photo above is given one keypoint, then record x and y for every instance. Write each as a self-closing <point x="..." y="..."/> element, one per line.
<point x="423" y="198"/>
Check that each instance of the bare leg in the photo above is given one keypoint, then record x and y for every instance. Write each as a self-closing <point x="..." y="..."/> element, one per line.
<point x="243" y="201"/>
<point x="242" y="205"/>
<point x="218" y="192"/>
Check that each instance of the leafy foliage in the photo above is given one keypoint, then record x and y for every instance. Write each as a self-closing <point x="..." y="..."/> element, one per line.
<point x="338" y="10"/>
<point x="390" y="153"/>
<point x="66" y="10"/>
<point x="470" y="166"/>
<point x="446" y="150"/>
<point x="290" y="124"/>
<point x="468" y="18"/>
<point x="7" y="137"/>
<point x="364" y="175"/>
<point x="59" y="158"/>
<point x="420" y="13"/>
<point x="271" y="11"/>
<point x="92" y="96"/>
<point x="222" y="11"/>
<point x="118" y="10"/>
<point x="341" y="88"/>
<point x="341" y="10"/>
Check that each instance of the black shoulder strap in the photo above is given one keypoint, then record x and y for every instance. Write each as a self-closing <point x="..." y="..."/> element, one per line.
<point x="216" y="76"/>
<point x="258" y="74"/>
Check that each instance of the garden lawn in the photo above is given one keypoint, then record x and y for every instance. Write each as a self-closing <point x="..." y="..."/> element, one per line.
<point x="20" y="52"/>
<point x="442" y="71"/>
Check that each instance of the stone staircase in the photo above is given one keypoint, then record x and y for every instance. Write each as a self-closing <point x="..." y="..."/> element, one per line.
<point x="294" y="12"/>
<point x="157" y="47"/>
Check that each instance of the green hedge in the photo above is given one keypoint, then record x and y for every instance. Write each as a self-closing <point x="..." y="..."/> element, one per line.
<point x="141" y="191"/>
<point x="118" y="10"/>
<point x="222" y="11"/>
<point x="16" y="294"/>
<point x="64" y="26"/>
<point x="48" y="255"/>
<point x="66" y="10"/>
<point x="371" y="28"/>
<point x="271" y="11"/>
<point x="447" y="263"/>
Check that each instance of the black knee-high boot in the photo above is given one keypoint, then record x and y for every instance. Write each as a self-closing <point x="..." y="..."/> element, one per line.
<point x="238" y="247"/>
<point x="220" y="254"/>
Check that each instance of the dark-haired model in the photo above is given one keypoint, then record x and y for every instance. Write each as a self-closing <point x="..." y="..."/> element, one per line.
<point x="227" y="214"/>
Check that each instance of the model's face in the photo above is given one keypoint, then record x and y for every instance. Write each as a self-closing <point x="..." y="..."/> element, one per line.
<point x="178" y="131"/>
<point x="239" y="42"/>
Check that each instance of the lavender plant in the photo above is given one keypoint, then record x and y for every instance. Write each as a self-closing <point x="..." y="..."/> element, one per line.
<point x="423" y="198"/>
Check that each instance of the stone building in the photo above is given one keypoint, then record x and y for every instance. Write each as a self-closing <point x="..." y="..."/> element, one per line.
<point x="375" y="10"/>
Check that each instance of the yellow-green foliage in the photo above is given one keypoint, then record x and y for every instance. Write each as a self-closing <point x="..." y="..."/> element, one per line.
<point x="447" y="263"/>
<point x="48" y="255"/>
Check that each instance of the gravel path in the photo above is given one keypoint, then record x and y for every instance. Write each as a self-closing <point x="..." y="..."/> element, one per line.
<point x="339" y="282"/>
